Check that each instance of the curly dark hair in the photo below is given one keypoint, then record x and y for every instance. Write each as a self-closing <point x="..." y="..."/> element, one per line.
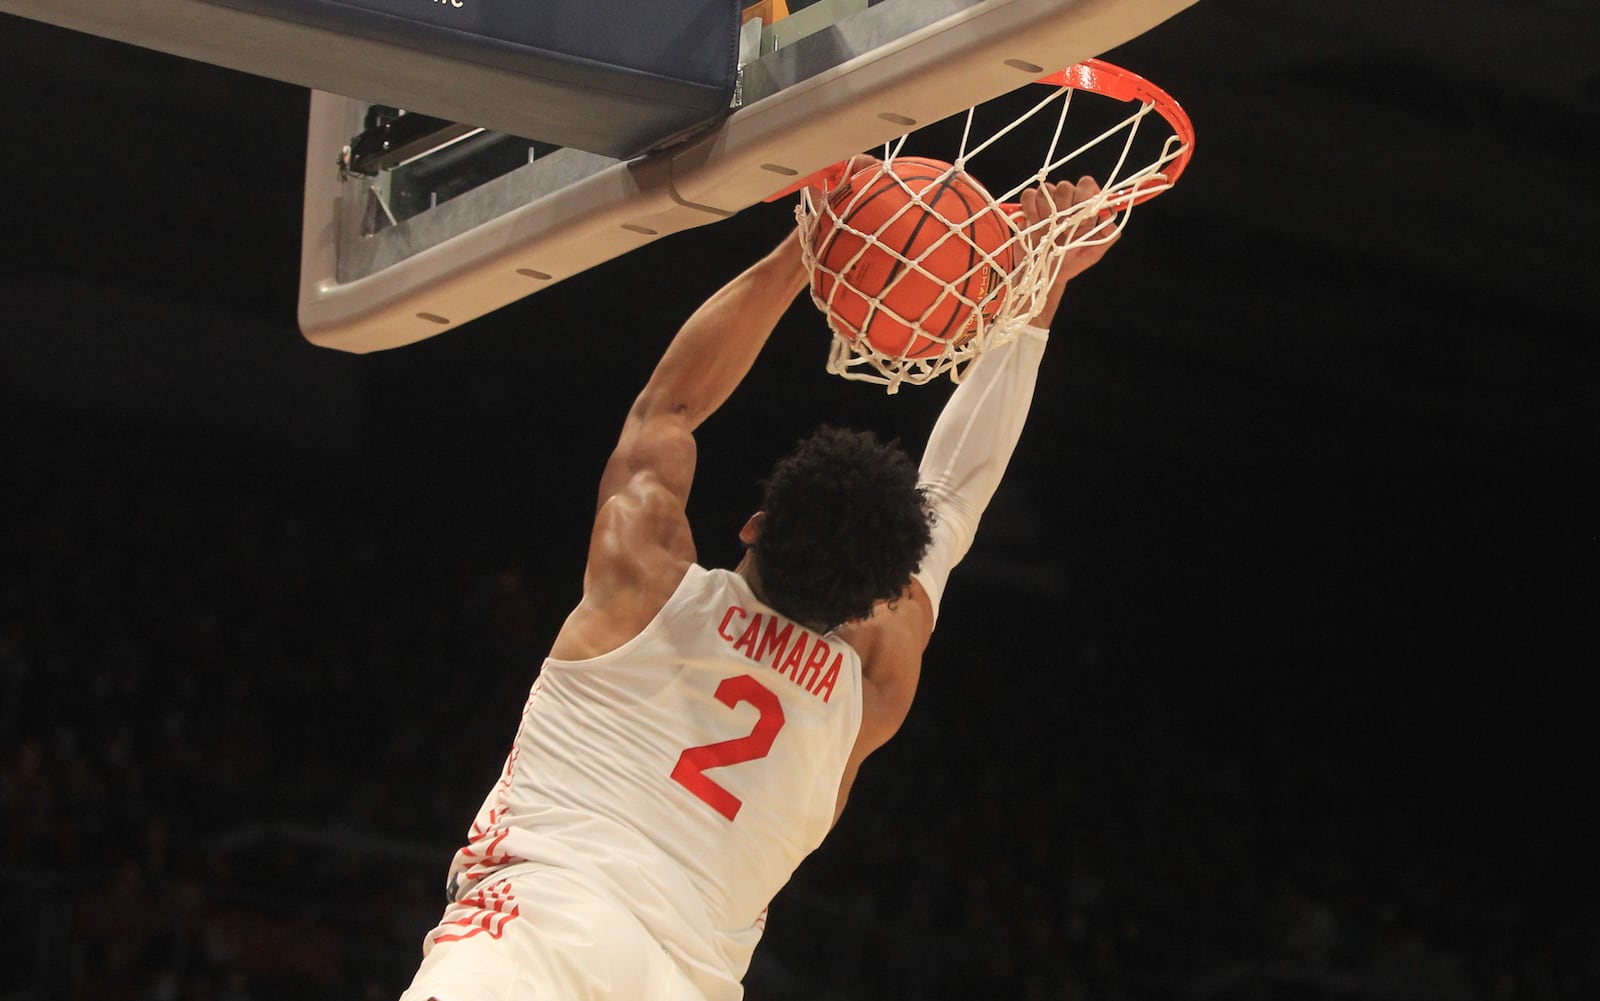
<point x="845" y="525"/>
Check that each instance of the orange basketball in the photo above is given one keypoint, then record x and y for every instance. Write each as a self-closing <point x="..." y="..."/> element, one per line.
<point x="947" y="225"/>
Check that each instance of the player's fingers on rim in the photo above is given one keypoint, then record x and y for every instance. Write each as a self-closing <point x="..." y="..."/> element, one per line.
<point x="1086" y="222"/>
<point x="1038" y="201"/>
<point x="1035" y="210"/>
<point x="860" y="162"/>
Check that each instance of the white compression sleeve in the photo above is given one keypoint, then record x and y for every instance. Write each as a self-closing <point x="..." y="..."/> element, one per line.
<point x="969" y="448"/>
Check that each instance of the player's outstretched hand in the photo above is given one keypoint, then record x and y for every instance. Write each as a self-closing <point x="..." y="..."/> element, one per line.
<point x="1040" y="203"/>
<point x="831" y="183"/>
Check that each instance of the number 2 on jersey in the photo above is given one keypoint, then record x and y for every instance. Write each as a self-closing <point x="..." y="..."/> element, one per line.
<point x="692" y="763"/>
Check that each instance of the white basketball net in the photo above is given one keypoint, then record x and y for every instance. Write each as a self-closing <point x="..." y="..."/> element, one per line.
<point x="1036" y="253"/>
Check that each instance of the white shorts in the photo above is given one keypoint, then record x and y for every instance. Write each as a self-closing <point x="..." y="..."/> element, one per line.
<point x="534" y="932"/>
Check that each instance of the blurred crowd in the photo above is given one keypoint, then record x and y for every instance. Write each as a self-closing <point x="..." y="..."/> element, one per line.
<point x="243" y="727"/>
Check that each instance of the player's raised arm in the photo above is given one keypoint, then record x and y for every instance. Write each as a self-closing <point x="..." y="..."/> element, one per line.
<point x="707" y="359"/>
<point x="972" y="441"/>
<point x="967" y="452"/>
<point x="641" y="542"/>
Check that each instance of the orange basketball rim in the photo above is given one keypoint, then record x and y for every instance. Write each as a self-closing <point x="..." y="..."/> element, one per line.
<point x="918" y="268"/>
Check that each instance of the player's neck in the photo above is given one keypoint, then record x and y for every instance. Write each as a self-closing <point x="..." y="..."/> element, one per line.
<point x="747" y="570"/>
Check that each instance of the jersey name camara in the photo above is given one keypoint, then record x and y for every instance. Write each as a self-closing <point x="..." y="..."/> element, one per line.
<point x="771" y="640"/>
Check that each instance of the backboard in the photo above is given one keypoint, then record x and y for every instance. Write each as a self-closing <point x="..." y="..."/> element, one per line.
<point x="451" y="183"/>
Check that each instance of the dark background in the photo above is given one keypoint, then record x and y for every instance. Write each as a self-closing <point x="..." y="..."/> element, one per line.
<point x="1265" y="679"/>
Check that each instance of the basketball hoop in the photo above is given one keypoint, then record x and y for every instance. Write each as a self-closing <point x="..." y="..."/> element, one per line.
<point x="1017" y="271"/>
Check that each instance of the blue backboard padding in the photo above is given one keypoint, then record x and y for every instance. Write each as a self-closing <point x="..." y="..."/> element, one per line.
<point x="671" y="65"/>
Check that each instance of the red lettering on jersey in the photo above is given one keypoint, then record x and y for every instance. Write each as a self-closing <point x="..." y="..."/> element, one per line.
<point x="746" y="643"/>
<point x="690" y="771"/>
<point x="807" y="678"/>
<point x="722" y="630"/>
<point x="824" y="689"/>
<point x="791" y="663"/>
<point x="773" y="641"/>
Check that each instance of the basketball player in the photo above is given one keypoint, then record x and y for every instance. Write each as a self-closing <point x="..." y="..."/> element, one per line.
<point x="694" y="733"/>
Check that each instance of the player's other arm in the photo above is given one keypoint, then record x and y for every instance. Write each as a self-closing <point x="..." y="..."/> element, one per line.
<point x="705" y="362"/>
<point x="641" y="541"/>
<point x="967" y="452"/>
<point x="700" y="369"/>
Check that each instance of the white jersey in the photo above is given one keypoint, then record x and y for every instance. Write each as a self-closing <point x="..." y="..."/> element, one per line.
<point x="689" y="771"/>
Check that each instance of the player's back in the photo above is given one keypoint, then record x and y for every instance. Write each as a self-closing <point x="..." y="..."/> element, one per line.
<point x="689" y="771"/>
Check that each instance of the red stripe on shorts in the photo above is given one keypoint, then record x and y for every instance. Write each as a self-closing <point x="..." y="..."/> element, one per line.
<point x="491" y="909"/>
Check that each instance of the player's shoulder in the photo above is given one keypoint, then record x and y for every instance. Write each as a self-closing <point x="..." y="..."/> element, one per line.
<point x="641" y="538"/>
<point x="888" y="648"/>
<point x="638" y="556"/>
<point x="897" y="629"/>
<point x="891" y="643"/>
<point x="642" y="508"/>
